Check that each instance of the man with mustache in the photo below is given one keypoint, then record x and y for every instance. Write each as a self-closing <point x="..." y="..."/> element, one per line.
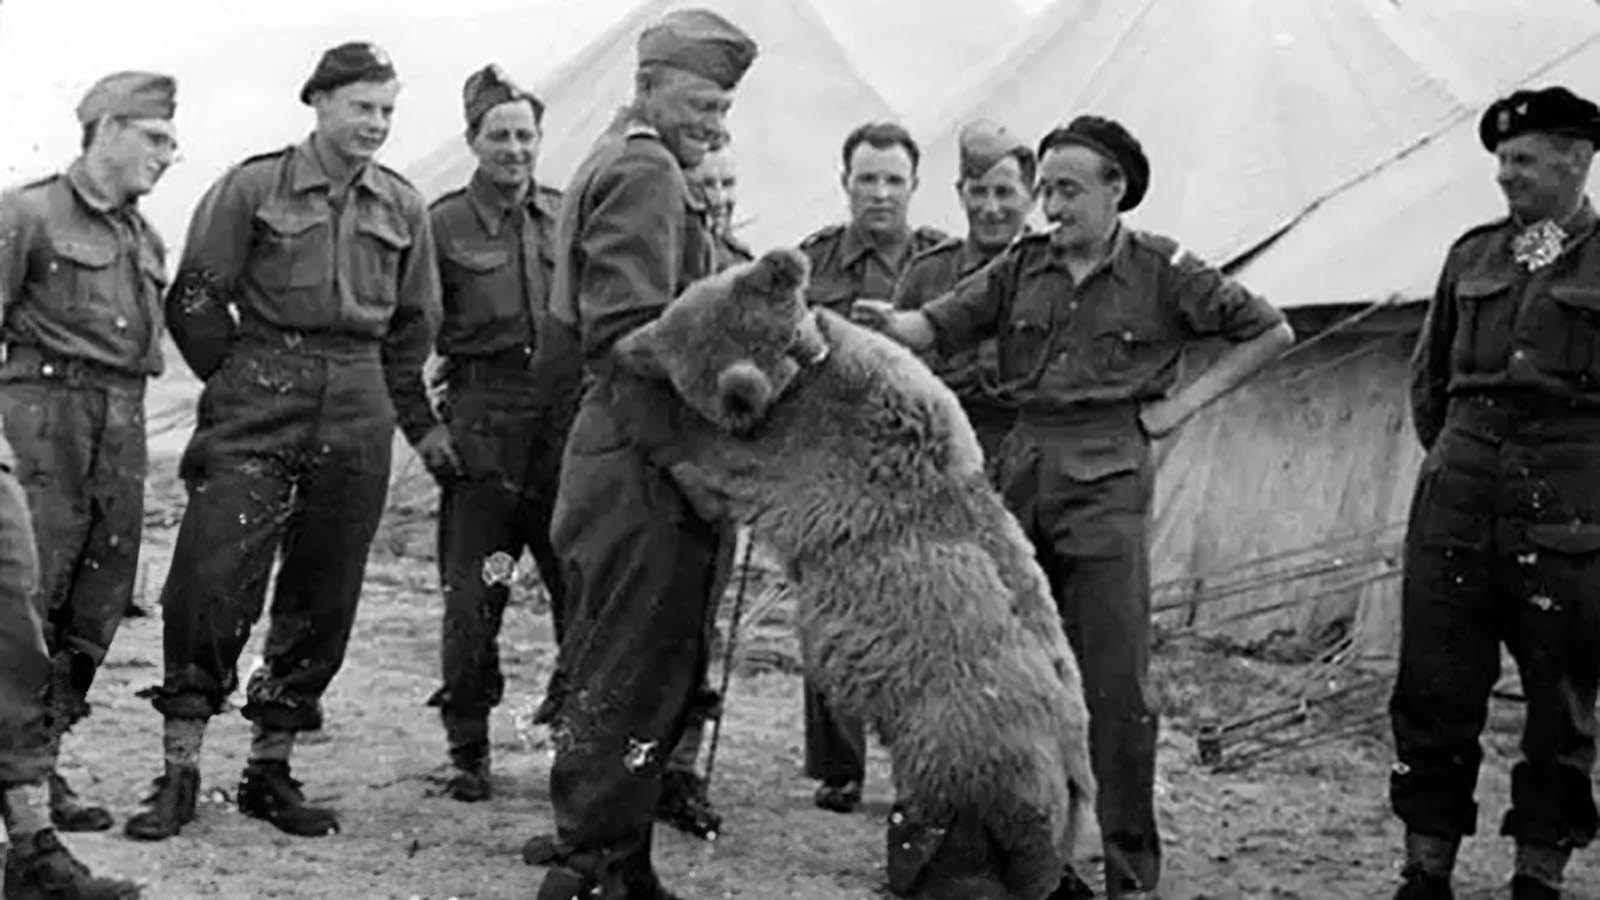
<point x="1503" y="541"/>
<point x="1091" y="319"/>
<point x="81" y="275"/>
<point x="861" y="260"/>
<point x="306" y="300"/>
<point x="996" y="190"/>
<point x="639" y="553"/>
<point x="497" y="445"/>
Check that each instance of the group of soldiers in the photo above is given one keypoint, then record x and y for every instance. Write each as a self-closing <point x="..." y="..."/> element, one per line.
<point x="315" y="283"/>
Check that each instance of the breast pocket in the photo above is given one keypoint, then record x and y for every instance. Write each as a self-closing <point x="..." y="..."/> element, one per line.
<point x="1126" y="348"/>
<point x="294" y="249"/>
<point x="1483" y="324"/>
<point x="472" y="274"/>
<point x="1566" y="338"/>
<point x="83" y="275"/>
<point x="380" y="246"/>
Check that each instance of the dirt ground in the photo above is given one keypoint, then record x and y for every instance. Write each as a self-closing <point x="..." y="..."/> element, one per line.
<point x="1311" y="825"/>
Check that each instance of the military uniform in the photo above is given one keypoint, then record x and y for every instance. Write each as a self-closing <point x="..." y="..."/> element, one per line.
<point x="81" y="276"/>
<point x="1503" y="540"/>
<point x="847" y="266"/>
<point x="25" y="755"/>
<point x="969" y="373"/>
<point x="495" y="267"/>
<point x="1080" y="359"/>
<point x="638" y="558"/>
<point x="308" y="310"/>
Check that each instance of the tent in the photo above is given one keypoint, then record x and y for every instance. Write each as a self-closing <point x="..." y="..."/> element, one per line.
<point x="1248" y="109"/>
<point x="804" y="93"/>
<point x="1381" y="241"/>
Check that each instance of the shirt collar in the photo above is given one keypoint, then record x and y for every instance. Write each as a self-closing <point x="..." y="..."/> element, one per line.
<point x="88" y="192"/>
<point x="855" y="245"/>
<point x="1117" y="261"/>
<point x="309" y="172"/>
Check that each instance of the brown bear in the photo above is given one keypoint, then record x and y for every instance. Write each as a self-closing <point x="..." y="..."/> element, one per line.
<point x="921" y="608"/>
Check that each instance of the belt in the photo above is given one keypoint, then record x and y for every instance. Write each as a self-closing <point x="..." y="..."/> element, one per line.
<point x="30" y="363"/>
<point x="256" y="331"/>
<point x="1516" y="413"/>
<point x="498" y="366"/>
<point x="1097" y="417"/>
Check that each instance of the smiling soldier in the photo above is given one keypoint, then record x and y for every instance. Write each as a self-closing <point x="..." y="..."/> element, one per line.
<point x="81" y="274"/>
<point x="1503" y="541"/>
<point x="496" y="450"/>
<point x="306" y="300"/>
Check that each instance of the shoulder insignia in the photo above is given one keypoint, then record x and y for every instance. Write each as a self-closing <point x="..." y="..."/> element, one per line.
<point x="948" y="245"/>
<point x="825" y="233"/>
<point x="448" y="195"/>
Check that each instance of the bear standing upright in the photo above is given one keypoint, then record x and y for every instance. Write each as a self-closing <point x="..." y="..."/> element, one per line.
<point x="920" y="606"/>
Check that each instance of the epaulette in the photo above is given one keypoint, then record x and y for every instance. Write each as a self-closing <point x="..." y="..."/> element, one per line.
<point x="944" y="246"/>
<point x="395" y="174"/>
<point x="641" y="130"/>
<point x="825" y="233"/>
<point x="1165" y="247"/>
<point x="38" y="182"/>
<point x="1476" y="230"/>
<point x="928" y="235"/>
<point x="264" y="157"/>
<point x="547" y="200"/>
<point x="448" y="195"/>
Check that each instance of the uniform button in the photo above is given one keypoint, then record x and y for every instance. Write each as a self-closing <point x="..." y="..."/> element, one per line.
<point x="1519" y="355"/>
<point x="121" y="322"/>
<point x="47" y="369"/>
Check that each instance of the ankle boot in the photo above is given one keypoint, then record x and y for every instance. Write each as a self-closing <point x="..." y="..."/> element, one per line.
<point x="169" y="807"/>
<point x="268" y="792"/>
<point x="41" y="868"/>
<point x="68" y="813"/>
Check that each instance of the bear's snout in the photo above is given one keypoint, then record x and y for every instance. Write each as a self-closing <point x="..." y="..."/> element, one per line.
<point x="743" y="394"/>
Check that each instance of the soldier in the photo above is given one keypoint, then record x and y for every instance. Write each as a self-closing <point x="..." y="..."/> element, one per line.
<point x="861" y="260"/>
<point x="81" y="274"/>
<point x="996" y="191"/>
<point x="327" y="260"/>
<point x="1091" y="320"/>
<point x="39" y="867"/>
<point x="499" y="449"/>
<point x="717" y="181"/>
<point x="1504" y="531"/>
<point x="638" y="551"/>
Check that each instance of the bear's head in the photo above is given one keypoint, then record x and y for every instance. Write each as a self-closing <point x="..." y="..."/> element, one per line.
<point x="732" y="343"/>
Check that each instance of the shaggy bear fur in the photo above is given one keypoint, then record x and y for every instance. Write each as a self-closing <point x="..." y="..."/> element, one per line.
<point x="921" y="607"/>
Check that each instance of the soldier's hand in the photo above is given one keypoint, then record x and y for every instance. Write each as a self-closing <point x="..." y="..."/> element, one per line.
<point x="698" y="486"/>
<point x="1162" y="417"/>
<point x="438" y="453"/>
<point x="875" y="314"/>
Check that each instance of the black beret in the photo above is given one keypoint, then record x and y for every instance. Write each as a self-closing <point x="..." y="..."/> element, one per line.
<point x="489" y="87"/>
<point x="699" y="41"/>
<point x="1551" y="110"/>
<point x="345" y="64"/>
<point x="1109" y="139"/>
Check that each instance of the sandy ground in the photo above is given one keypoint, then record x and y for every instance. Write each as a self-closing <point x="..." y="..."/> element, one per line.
<point x="1314" y="824"/>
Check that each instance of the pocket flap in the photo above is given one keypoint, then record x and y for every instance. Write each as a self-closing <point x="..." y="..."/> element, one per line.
<point x="1577" y="296"/>
<point x="1091" y="458"/>
<point x="478" y="259"/>
<point x="1570" y="538"/>
<point x="288" y="222"/>
<point x="384" y="233"/>
<point x="86" y="253"/>
<point x="1480" y="288"/>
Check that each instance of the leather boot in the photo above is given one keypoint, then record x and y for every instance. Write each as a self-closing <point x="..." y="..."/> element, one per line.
<point x="268" y="792"/>
<point x="685" y="805"/>
<point x="169" y="807"/>
<point x="68" y="813"/>
<point x="41" y="868"/>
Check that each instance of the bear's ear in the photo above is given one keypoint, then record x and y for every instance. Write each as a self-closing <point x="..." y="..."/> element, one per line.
<point x="778" y="274"/>
<point x="637" y="352"/>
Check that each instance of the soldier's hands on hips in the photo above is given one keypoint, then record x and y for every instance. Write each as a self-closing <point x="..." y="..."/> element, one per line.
<point x="438" y="453"/>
